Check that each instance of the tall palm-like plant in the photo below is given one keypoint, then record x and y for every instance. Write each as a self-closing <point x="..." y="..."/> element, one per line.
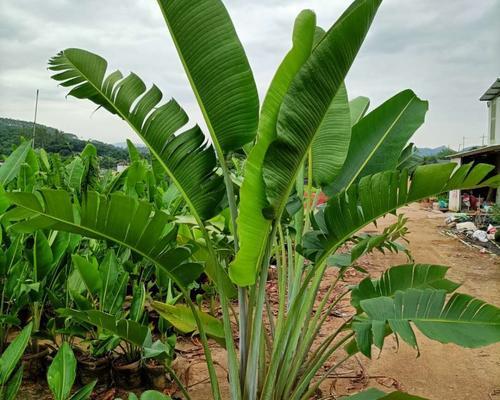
<point x="307" y="131"/>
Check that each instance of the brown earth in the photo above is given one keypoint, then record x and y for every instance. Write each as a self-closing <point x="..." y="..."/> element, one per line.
<point x="441" y="372"/>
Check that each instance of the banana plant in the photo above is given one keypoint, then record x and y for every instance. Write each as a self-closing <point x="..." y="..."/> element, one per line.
<point x="136" y="336"/>
<point x="13" y="164"/>
<point x="309" y="139"/>
<point x="9" y="384"/>
<point x="14" y="272"/>
<point x="61" y="376"/>
<point x="46" y="259"/>
<point x="106" y="285"/>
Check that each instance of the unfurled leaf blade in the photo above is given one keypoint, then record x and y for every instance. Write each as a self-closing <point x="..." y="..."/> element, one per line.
<point x="331" y="142"/>
<point x="74" y="174"/>
<point x="126" y="329"/>
<point x="13" y="385"/>
<point x="376" y="195"/>
<point x="183" y="319"/>
<point x="186" y="158"/>
<point x="253" y="226"/>
<point x="62" y="372"/>
<point x="217" y="68"/>
<point x="463" y="320"/>
<point x="146" y="230"/>
<point x="84" y="392"/>
<point x="13" y="354"/>
<point x="42" y="256"/>
<point x="375" y="394"/>
<point x="309" y="97"/>
<point x="378" y="139"/>
<point x="89" y="273"/>
<point x="154" y="395"/>
<point x="10" y="168"/>
<point x="402" y="277"/>
<point x="358" y="108"/>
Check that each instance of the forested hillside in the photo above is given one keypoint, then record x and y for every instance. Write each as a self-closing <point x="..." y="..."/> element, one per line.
<point x="54" y="141"/>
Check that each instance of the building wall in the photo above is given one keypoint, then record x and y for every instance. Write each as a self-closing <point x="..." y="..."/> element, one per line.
<point x="454" y="197"/>
<point x="497" y="198"/>
<point x="494" y="121"/>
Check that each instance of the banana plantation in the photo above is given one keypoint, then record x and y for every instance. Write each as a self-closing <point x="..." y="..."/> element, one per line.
<point x="219" y="236"/>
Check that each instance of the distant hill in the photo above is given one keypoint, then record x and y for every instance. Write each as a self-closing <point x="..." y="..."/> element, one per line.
<point x="429" y="151"/>
<point x="140" y="146"/>
<point x="54" y="141"/>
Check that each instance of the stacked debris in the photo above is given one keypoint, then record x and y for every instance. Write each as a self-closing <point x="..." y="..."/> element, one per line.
<point x="474" y="229"/>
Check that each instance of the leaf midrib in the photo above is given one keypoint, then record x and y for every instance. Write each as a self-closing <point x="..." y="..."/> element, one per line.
<point x="107" y="237"/>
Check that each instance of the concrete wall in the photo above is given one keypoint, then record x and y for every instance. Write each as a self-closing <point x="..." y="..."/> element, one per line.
<point x="454" y="197"/>
<point x="494" y="121"/>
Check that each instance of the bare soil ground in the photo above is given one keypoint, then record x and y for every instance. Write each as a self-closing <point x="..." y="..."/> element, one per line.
<point x="441" y="372"/>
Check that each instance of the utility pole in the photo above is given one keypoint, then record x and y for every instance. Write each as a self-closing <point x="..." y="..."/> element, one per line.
<point x="482" y="139"/>
<point x="463" y="143"/>
<point x="34" y="119"/>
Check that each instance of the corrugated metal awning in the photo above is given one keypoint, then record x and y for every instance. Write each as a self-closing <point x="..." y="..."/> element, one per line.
<point x="495" y="148"/>
<point x="492" y="92"/>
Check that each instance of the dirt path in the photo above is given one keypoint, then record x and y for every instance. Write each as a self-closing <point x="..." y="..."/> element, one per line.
<point x="442" y="371"/>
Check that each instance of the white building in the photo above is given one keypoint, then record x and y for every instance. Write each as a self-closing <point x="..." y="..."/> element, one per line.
<point x="121" y="166"/>
<point x="489" y="154"/>
<point x="492" y="98"/>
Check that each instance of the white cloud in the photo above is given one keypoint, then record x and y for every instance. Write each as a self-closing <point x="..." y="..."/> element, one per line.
<point x="446" y="51"/>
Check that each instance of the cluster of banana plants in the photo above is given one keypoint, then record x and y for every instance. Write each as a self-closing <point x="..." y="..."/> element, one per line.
<point x="86" y="295"/>
<point x="231" y="204"/>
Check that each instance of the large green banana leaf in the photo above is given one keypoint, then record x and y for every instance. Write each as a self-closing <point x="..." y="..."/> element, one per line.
<point x="89" y="272"/>
<point x="62" y="372"/>
<point x="358" y="108"/>
<point x="13" y="385"/>
<point x="463" y="320"/>
<point x="183" y="319"/>
<point x="217" y="68"/>
<point x="379" y="138"/>
<point x="186" y="158"/>
<point x="253" y="227"/>
<point x="308" y="100"/>
<point x="42" y="258"/>
<point x="304" y="87"/>
<point x="13" y="353"/>
<point x="114" y="284"/>
<point x="126" y="329"/>
<point x="384" y="192"/>
<point x="10" y="168"/>
<point x="402" y="277"/>
<point x="74" y="171"/>
<point x="409" y="158"/>
<point x="144" y="230"/>
<point x="331" y="143"/>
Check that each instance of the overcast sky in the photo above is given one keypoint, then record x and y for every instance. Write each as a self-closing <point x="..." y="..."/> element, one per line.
<point x="447" y="51"/>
